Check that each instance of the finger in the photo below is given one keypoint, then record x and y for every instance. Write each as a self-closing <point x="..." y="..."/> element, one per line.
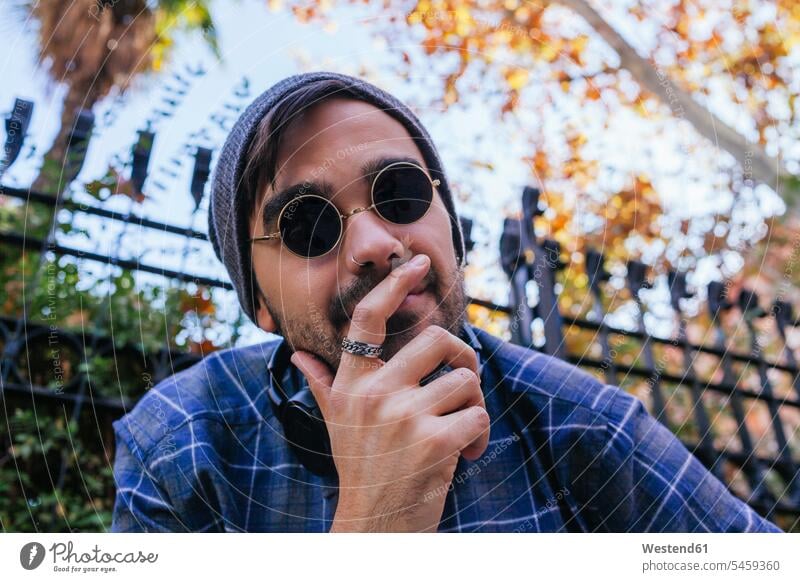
<point x="433" y="346"/>
<point x="368" y="323"/>
<point x="468" y="430"/>
<point x="318" y="375"/>
<point x="455" y="390"/>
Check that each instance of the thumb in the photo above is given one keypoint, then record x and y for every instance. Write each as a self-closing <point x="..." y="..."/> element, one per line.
<point x="317" y="373"/>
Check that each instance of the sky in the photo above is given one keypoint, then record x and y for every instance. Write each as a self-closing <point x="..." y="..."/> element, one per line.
<point x="264" y="47"/>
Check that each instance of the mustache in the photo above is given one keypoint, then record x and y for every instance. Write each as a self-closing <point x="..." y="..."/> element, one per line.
<point x="341" y="307"/>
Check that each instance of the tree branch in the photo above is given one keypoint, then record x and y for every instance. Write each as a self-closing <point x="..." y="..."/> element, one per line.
<point x="758" y="165"/>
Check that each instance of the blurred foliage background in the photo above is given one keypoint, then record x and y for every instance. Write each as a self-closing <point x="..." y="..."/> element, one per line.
<point x="663" y="131"/>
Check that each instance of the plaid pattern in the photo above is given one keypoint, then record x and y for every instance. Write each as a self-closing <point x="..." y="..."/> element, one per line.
<point x="202" y="451"/>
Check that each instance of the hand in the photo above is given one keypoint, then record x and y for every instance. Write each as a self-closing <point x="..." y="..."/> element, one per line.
<point x="396" y="444"/>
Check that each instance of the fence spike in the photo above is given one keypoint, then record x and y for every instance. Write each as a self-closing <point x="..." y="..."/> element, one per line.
<point x="77" y="145"/>
<point x="16" y="129"/>
<point x="748" y="303"/>
<point x="717" y="298"/>
<point x="637" y="277"/>
<point x="466" y="232"/>
<point x="595" y="269"/>
<point x="552" y="253"/>
<point x="141" y="159"/>
<point x="511" y="246"/>
<point x="200" y="173"/>
<point x="677" y="288"/>
<point x="82" y="128"/>
<point x="530" y="202"/>
<point x="783" y="311"/>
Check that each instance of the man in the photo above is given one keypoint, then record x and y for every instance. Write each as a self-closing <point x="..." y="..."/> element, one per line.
<point x="381" y="409"/>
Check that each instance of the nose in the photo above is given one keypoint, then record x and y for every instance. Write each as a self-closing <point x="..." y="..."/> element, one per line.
<point x="369" y="240"/>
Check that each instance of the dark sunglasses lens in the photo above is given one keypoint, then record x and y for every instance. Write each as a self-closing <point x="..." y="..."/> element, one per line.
<point x="402" y="193"/>
<point x="310" y="226"/>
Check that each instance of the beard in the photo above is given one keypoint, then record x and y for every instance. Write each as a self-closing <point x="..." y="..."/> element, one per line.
<point x="321" y="333"/>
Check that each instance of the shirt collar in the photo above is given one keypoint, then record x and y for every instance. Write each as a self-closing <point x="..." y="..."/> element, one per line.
<point x="469" y="336"/>
<point x="472" y="340"/>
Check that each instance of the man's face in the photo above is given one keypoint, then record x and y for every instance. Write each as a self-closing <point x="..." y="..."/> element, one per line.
<point x="311" y="301"/>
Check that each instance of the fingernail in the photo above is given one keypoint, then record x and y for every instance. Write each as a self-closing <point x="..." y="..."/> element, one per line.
<point x="418" y="261"/>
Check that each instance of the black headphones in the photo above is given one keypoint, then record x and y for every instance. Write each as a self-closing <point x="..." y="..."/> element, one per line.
<point x="299" y="414"/>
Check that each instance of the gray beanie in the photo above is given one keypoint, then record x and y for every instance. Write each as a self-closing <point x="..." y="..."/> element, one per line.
<point x="228" y="220"/>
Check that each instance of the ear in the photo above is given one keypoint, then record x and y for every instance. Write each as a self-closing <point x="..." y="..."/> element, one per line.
<point x="264" y="318"/>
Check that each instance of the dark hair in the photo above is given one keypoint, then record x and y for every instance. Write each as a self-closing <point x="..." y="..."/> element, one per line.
<point x="262" y="154"/>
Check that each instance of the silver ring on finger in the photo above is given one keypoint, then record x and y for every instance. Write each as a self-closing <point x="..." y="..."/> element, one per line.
<point x="361" y="348"/>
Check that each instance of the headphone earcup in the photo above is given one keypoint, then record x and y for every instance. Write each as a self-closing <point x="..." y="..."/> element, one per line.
<point x="303" y="426"/>
<point x="306" y="432"/>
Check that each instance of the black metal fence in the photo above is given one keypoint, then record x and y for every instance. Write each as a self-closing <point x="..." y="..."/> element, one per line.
<point x="761" y="468"/>
<point x="769" y="464"/>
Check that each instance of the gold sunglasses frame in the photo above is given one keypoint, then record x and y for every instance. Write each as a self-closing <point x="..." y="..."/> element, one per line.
<point x="343" y="217"/>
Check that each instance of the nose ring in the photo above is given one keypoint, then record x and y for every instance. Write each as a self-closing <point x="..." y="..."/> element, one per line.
<point x="352" y="258"/>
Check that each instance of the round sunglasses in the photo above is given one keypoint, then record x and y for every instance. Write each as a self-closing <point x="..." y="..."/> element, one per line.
<point x="311" y="226"/>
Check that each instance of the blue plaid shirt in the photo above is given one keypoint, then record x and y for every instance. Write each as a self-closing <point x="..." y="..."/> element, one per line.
<point x="203" y="451"/>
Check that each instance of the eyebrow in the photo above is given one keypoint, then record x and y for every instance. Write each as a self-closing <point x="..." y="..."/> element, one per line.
<point x="324" y="188"/>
